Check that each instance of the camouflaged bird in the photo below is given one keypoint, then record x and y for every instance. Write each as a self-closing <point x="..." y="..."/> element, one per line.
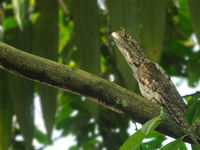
<point x="153" y="81"/>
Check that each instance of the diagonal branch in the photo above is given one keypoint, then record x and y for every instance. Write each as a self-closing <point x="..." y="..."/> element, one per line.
<point x="77" y="81"/>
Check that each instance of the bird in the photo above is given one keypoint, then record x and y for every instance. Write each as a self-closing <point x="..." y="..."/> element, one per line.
<point x="153" y="81"/>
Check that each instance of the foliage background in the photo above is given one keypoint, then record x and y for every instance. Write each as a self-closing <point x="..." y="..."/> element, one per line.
<point x="77" y="33"/>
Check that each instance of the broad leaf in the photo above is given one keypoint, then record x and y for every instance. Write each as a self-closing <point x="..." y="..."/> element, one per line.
<point x="193" y="112"/>
<point x="22" y="101"/>
<point x="45" y="44"/>
<point x="155" y="141"/>
<point x="124" y="14"/>
<point x="150" y="125"/>
<point x="182" y="146"/>
<point x="86" y="29"/>
<point x="73" y="147"/>
<point x="175" y="145"/>
<point x="194" y="6"/>
<point x="136" y="139"/>
<point x="195" y="147"/>
<point x="133" y="142"/>
<point x="153" y="23"/>
<point x="40" y="136"/>
<point x="5" y="113"/>
<point x="21" y="90"/>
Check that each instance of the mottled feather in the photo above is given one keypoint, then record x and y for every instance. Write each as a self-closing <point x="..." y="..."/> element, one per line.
<point x="160" y="89"/>
<point x="153" y="82"/>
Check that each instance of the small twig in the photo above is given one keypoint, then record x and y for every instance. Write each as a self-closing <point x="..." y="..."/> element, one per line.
<point x="193" y="94"/>
<point x="136" y="128"/>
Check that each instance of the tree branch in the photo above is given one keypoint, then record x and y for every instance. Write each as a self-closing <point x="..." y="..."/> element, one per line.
<point x="77" y="81"/>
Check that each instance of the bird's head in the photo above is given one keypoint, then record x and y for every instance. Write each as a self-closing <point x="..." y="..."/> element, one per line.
<point x="129" y="47"/>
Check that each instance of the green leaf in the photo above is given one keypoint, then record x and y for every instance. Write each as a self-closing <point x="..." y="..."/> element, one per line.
<point x="155" y="142"/>
<point x="63" y="113"/>
<point x="153" y="23"/>
<point x="22" y="101"/>
<point x="195" y="147"/>
<point x="154" y="134"/>
<point x="192" y="99"/>
<point x="90" y="144"/>
<point x="86" y="28"/>
<point x="20" y="89"/>
<point x="66" y="28"/>
<point x="174" y="145"/>
<point x="40" y="136"/>
<point x="48" y="100"/>
<point x="87" y="36"/>
<point x="194" y="7"/>
<point x="120" y="13"/>
<point x="133" y="142"/>
<point x="151" y="125"/>
<point x="5" y="113"/>
<point x="128" y="9"/>
<point x="21" y="8"/>
<point x="193" y="112"/>
<point x="18" y="145"/>
<point x="182" y="146"/>
<point x="67" y="50"/>
<point x="184" y="22"/>
<point x="73" y="147"/>
<point x="10" y="23"/>
<point x="45" y="44"/>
